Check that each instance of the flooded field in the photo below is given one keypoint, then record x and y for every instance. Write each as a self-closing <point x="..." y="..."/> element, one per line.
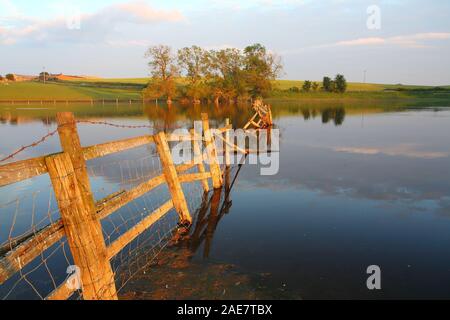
<point x="357" y="186"/>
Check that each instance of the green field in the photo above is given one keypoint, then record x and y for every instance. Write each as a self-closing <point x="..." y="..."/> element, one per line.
<point x="131" y="88"/>
<point x="70" y="90"/>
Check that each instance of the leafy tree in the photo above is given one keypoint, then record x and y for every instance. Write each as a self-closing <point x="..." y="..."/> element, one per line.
<point x="315" y="86"/>
<point x="163" y="70"/>
<point x="10" y="77"/>
<point x="340" y="83"/>
<point x="261" y="67"/>
<point x="327" y="84"/>
<point x="307" y="86"/>
<point x="195" y="63"/>
<point x="44" y="76"/>
<point x="294" y="89"/>
<point x="227" y="75"/>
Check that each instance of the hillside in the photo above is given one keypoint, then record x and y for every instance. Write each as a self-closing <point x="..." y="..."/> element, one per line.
<point x="130" y="88"/>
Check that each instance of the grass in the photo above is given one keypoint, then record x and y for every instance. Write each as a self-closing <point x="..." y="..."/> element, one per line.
<point x="71" y="90"/>
<point x="131" y="88"/>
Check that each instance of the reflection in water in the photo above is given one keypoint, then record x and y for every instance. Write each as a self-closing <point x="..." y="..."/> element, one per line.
<point x="371" y="185"/>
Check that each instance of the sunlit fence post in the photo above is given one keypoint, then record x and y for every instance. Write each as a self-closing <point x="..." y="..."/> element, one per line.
<point x="212" y="153"/>
<point x="170" y="173"/>
<point x="82" y="229"/>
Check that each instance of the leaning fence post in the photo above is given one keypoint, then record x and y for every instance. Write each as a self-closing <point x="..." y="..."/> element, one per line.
<point x="198" y="158"/>
<point x="82" y="229"/>
<point x="212" y="153"/>
<point x="170" y="173"/>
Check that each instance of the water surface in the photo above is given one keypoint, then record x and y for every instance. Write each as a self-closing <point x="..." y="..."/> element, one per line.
<point x="357" y="186"/>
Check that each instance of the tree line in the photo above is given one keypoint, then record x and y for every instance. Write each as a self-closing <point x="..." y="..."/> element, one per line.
<point x="227" y="75"/>
<point x="338" y="85"/>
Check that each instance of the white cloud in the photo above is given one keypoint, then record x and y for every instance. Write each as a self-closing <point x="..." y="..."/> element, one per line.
<point x="93" y="27"/>
<point x="405" y="150"/>
<point x="418" y="40"/>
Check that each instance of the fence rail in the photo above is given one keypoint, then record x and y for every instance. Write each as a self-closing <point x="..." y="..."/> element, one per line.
<point x="81" y="216"/>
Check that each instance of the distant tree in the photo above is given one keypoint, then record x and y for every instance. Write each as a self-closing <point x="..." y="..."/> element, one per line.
<point x="163" y="70"/>
<point x="261" y="67"/>
<point x="315" y="86"/>
<point x="327" y="84"/>
<point x="1" y="78"/>
<point x="294" y="89"/>
<point x="340" y="83"/>
<point x="227" y="76"/>
<point x="43" y="76"/>
<point x="10" y="77"/>
<point x="307" y="86"/>
<point x="195" y="63"/>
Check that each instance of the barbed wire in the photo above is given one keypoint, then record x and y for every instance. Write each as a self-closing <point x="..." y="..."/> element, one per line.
<point x="31" y="145"/>
<point x="122" y="126"/>
<point x="51" y="134"/>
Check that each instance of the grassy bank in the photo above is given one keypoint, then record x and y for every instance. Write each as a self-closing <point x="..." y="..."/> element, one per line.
<point x="131" y="88"/>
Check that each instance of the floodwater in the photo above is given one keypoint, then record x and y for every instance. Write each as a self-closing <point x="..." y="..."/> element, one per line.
<point x="357" y="186"/>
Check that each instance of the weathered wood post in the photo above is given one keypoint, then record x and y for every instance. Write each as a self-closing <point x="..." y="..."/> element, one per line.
<point x="212" y="153"/>
<point x="226" y="144"/>
<point x="170" y="173"/>
<point x="99" y="278"/>
<point x="83" y="231"/>
<point x="198" y="158"/>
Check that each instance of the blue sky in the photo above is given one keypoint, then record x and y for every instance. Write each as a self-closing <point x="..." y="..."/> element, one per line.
<point x="408" y="42"/>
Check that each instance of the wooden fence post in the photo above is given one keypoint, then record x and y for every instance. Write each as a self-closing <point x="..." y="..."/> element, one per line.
<point x="70" y="144"/>
<point x="170" y="173"/>
<point x="226" y="145"/>
<point x="82" y="229"/>
<point x="212" y="154"/>
<point x="198" y="156"/>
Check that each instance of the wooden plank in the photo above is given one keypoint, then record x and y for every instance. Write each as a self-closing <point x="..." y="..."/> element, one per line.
<point x="83" y="231"/>
<point x="170" y="172"/>
<point x="105" y="208"/>
<point x="191" y="177"/>
<point x="198" y="158"/>
<point x="185" y="167"/>
<point x="212" y="153"/>
<point x="105" y="149"/>
<point x="26" y="252"/>
<point x="22" y="170"/>
<point x="63" y="292"/>
<point x="137" y="230"/>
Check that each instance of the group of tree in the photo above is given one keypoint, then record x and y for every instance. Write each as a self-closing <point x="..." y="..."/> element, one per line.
<point x="339" y="84"/>
<point x="220" y="75"/>
<point x="310" y="86"/>
<point x="9" y="77"/>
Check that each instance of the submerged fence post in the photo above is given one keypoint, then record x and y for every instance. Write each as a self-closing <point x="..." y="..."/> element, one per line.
<point x="170" y="173"/>
<point x="86" y="233"/>
<point x="212" y="154"/>
<point x="83" y="231"/>
<point x="226" y="144"/>
<point x="198" y="157"/>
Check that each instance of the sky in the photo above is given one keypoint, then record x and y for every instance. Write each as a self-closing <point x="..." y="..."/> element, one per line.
<point x="381" y="41"/>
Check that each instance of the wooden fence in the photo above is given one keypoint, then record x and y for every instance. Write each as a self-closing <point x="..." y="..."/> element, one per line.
<point x="81" y="216"/>
<point x="47" y="101"/>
